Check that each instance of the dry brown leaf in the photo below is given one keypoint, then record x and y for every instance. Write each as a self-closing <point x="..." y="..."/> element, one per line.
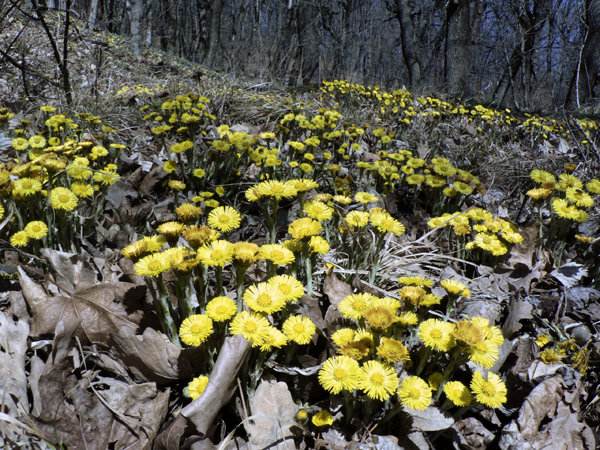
<point x="336" y="290"/>
<point x="69" y="269"/>
<point x="430" y="419"/>
<point x="564" y="430"/>
<point x="520" y="310"/>
<point x="473" y="434"/>
<point x="102" y="309"/>
<point x="13" y="379"/>
<point x="273" y="411"/>
<point x="151" y="356"/>
<point x="202" y="411"/>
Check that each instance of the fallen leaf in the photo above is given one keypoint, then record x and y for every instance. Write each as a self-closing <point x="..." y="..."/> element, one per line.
<point x="335" y="290"/>
<point x="202" y="411"/>
<point x="273" y="411"/>
<point x="69" y="269"/>
<point x="13" y="378"/>
<point x="546" y="420"/>
<point x="151" y="356"/>
<point x="101" y="309"/>
<point x="520" y="310"/>
<point x="473" y="434"/>
<point x="430" y="419"/>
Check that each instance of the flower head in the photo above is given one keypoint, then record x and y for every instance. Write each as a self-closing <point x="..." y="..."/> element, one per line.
<point x="63" y="198"/>
<point x="377" y="380"/>
<point x="224" y="218"/>
<point x="251" y="325"/>
<point x="264" y="297"/>
<point x="491" y="391"/>
<point x="304" y="228"/>
<point x="354" y="305"/>
<point x="277" y="253"/>
<point x="217" y="253"/>
<point x="290" y="287"/>
<point x="299" y="329"/>
<point x="437" y="334"/>
<point x="36" y="229"/>
<point x="392" y="350"/>
<point x="152" y="265"/>
<point x="221" y="309"/>
<point x="276" y="189"/>
<point x="339" y="373"/>
<point x="322" y="418"/>
<point x="195" y="329"/>
<point x="19" y="239"/>
<point x="457" y="393"/>
<point x="415" y="393"/>
<point x="197" y="386"/>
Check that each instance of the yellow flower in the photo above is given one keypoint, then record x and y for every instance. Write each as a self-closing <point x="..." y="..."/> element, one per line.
<point x="291" y="289"/>
<point x="567" y="181"/>
<point x="539" y="193"/>
<point x="152" y="265"/>
<point x="454" y="287"/>
<point x="304" y="228"/>
<point x="264" y="297"/>
<point x="353" y="306"/>
<point x="322" y="418"/>
<point x="246" y="252"/>
<point x="224" y="218"/>
<point x="339" y="373"/>
<point x="19" y="239"/>
<point x="221" y="309"/>
<point x="276" y="189"/>
<point x="24" y="187"/>
<point x="377" y="380"/>
<point x="20" y="143"/>
<point x="365" y="197"/>
<point x="593" y="186"/>
<point x="412" y="294"/>
<point x="170" y="166"/>
<point x="562" y="207"/>
<point x="63" y="198"/>
<point x="415" y="281"/>
<point x="392" y="350"/>
<point x="188" y="212"/>
<point x="37" y="141"/>
<point x="318" y="244"/>
<point x="197" y="386"/>
<point x="271" y="338"/>
<point x="379" y="317"/>
<point x="199" y="235"/>
<point x="541" y="176"/>
<point x="251" y="325"/>
<point x="318" y="210"/>
<point x="343" y="336"/>
<point x="385" y="223"/>
<point x="217" y="253"/>
<point x="579" y="197"/>
<point x="303" y="184"/>
<point x="171" y="229"/>
<point x="457" y="393"/>
<point x="277" y="253"/>
<point x="195" y="329"/>
<point x="415" y="393"/>
<point x="36" y="229"/>
<point x="299" y="329"/>
<point x="357" y="219"/>
<point x="177" y="185"/>
<point x="437" y="334"/>
<point x="199" y="173"/>
<point x="491" y="391"/>
<point x="82" y="190"/>
<point x="484" y="353"/>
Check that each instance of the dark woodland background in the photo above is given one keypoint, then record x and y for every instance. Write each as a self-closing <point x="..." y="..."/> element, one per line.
<point x="525" y="54"/>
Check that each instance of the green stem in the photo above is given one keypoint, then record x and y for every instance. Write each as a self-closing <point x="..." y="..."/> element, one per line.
<point x="219" y="276"/>
<point x="424" y="357"/>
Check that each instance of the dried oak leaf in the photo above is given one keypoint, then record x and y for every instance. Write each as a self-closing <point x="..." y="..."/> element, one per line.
<point x="273" y="411"/>
<point x="101" y="309"/>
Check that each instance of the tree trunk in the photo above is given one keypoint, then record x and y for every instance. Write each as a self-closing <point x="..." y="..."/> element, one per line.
<point x="215" y="32"/>
<point x="458" y="47"/>
<point x="410" y="46"/>
<point x="589" y="68"/>
<point x="93" y="14"/>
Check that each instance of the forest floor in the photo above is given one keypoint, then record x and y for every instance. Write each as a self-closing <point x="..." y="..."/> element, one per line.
<point x="189" y="259"/>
